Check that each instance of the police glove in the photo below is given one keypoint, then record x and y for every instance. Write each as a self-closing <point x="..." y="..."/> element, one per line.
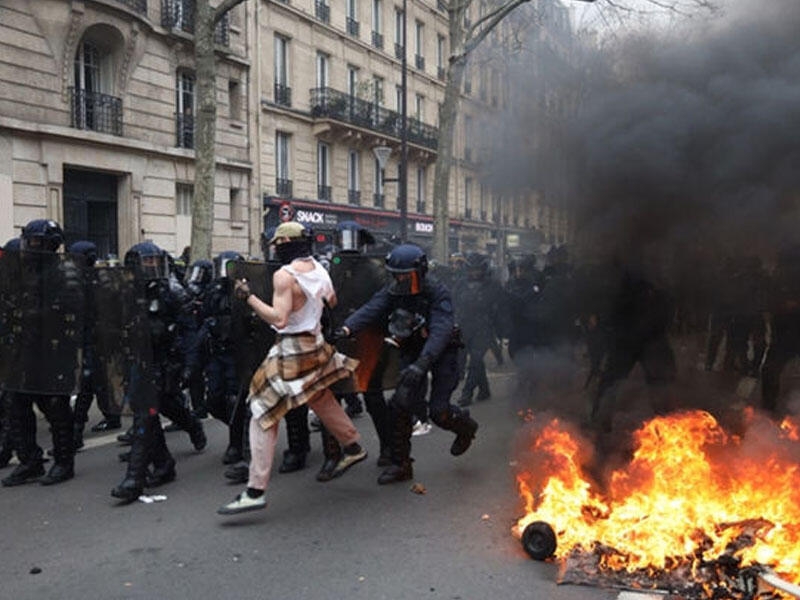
<point x="411" y="378"/>
<point x="242" y="290"/>
<point x="341" y="333"/>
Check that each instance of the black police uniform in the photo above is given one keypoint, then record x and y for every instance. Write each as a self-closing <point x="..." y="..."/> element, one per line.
<point x="153" y="384"/>
<point x="430" y="347"/>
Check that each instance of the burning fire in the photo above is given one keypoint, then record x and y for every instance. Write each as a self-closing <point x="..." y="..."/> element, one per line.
<point x="691" y="493"/>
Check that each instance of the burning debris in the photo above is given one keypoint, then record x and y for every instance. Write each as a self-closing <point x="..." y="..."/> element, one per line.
<point x="696" y="512"/>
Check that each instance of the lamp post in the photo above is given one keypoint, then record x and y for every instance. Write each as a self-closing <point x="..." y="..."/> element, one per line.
<point x="382" y="152"/>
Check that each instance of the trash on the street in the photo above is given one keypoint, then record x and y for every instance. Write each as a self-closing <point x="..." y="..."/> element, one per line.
<point x="151" y="499"/>
<point x="418" y="488"/>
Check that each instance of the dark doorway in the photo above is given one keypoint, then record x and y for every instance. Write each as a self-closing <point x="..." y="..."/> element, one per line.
<point x="90" y="209"/>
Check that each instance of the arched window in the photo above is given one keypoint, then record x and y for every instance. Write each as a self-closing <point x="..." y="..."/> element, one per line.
<point x="93" y="105"/>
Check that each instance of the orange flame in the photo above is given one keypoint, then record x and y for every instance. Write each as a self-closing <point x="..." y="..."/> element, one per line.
<point x="688" y="481"/>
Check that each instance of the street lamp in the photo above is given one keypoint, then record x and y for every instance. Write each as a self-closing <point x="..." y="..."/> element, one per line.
<point x="382" y="152"/>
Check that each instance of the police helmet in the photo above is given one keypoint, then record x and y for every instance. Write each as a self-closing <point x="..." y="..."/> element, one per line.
<point x="42" y="235"/>
<point x="408" y="264"/>
<point x="222" y="261"/>
<point x="86" y="249"/>
<point x="201" y="273"/>
<point x="477" y="265"/>
<point x="147" y="261"/>
<point x="352" y="236"/>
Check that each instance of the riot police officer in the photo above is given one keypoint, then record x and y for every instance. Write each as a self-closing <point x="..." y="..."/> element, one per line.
<point x="153" y="377"/>
<point x="50" y="296"/>
<point x="199" y="278"/>
<point x="11" y="249"/>
<point x="92" y="379"/>
<point x="420" y="319"/>
<point x="215" y="340"/>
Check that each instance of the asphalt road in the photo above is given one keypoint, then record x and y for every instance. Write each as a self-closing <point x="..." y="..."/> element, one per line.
<point x="348" y="538"/>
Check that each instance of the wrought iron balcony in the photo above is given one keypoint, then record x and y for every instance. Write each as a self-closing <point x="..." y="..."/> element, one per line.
<point x="340" y="106"/>
<point x="398" y="51"/>
<point x="322" y="11"/>
<point x="283" y="187"/>
<point x="420" y="62"/>
<point x="179" y="14"/>
<point x="139" y="6"/>
<point x="441" y="73"/>
<point x="184" y="131"/>
<point x="377" y="39"/>
<point x="283" y="94"/>
<point x="95" y="111"/>
<point x="352" y="26"/>
<point x="324" y="192"/>
<point x="378" y="200"/>
<point x="354" y="196"/>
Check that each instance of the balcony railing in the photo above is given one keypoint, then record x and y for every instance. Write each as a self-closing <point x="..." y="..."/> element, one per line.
<point x="377" y="39"/>
<point x="95" y="111"/>
<point x="184" y="131"/>
<point x="283" y="94"/>
<point x="354" y="196"/>
<point x="419" y="61"/>
<point x="441" y="73"/>
<point x="324" y="192"/>
<point x="139" y="6"/>
<point x="322" y="11"/>
<point x="352" y="26"/>
<point x="398" y="51"/>
<point x="283" y="187"/>
<point x="340" y="106"/>
<point x="179" y="14"/>
<point x="378" y="200"/>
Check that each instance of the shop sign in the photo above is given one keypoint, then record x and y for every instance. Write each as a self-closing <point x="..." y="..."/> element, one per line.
<point x="316" y="217"/>
<point x="423" y="227"/>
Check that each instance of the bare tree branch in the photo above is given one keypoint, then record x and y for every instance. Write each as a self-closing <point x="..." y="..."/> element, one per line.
<point x="224" y="7"/>
<point x="478" y="32"/>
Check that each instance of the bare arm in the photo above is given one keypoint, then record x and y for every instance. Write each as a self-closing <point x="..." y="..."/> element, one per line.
<point x="278" y="313"/>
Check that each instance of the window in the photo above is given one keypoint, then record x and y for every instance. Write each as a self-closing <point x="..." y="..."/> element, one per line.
<point x="184" y="192"/>
<point x="353" y="183"/>
<point x="283" y="183"/>
<point x="87" y="67"/>
<point x="92" y="107"/>
<point x="419" y="41"/>
<point x="419" y="107"/>
<point x="467" y="137"/>
<point x="283" y="93"/>
<point x="440" y="41"/>
<point x="323" y="171"/>
<point x="184" y="109"/>
<point x="352" y="80"/>
<point x="235" y="100"/>
<point x="421" y="182"/>
<point x="377" y="184"/>
<point x="322" y="69"/>
<point x="237" y="209"/>
<point x="467" y="205"/>
<point x="377" y="83"/>
<point x="398" y="27"/>
<point x="398" y="94"/>
<point x="377" y="17"/>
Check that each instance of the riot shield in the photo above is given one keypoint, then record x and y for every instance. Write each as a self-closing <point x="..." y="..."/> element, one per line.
<point x="121" y="335"/>
<point x="42" y="331"/>
<point x="253" y="336"/>
<point x="356" y="277"/>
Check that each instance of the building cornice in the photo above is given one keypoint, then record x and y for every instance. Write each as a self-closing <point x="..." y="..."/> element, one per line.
<point x="84" y="137"/>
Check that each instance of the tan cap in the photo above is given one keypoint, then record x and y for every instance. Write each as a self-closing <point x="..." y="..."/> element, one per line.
<point x="290" y="229"/>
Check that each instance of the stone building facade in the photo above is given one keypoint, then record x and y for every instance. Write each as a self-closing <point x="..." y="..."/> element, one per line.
<point x="96" y="122"/>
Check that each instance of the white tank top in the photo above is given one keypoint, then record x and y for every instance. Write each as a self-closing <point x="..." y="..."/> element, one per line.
<point x="316" y="285"/>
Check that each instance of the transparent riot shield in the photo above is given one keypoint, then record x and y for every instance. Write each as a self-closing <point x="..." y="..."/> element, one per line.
<point x="252" y="336"/>
<point x="122" y="354"/>
<point x="356" y="277"/>
<point x="42" y="322"/>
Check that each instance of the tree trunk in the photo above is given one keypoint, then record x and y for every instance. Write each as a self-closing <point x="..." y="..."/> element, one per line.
<point x="205" y="132"/>
<point x="448" y="113"/>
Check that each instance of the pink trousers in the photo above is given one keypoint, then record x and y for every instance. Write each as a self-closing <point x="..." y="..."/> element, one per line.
<point x="263" y="442"/>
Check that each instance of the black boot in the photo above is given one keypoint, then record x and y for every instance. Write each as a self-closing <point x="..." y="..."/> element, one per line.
<point x="297" y="434"/>
<point x="333" y="454"/>
<point x="238" y="473"/>
<point x="400" y="469"/>
<point x="233" y="454"/>
<point x="163" y="463"/>
<point x="197" y="434"/>
<point x="25" y="473"/>
<point x="126" y="439"/>
<point x="132" y="486"/>
<point x="62" y="427"/>
<point x="464" y="427"/>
